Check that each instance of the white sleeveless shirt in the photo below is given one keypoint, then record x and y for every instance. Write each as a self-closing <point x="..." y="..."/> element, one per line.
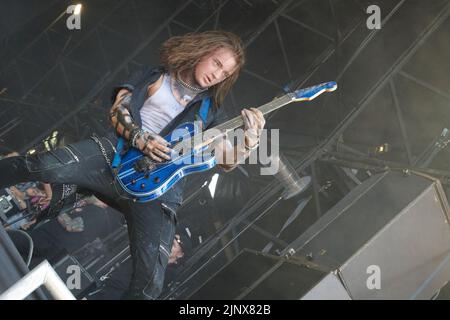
<point x="160" y="108"/>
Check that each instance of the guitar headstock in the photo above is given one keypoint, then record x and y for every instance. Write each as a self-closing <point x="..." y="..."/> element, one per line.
<point x="313" y="92"/>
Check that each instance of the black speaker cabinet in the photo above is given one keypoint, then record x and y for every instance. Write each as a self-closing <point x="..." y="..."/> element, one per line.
<point x="255" y="275"/>
<point x="389" y="238"/>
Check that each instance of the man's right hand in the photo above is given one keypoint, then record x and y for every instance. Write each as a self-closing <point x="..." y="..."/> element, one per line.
<point x="154" y="146"/>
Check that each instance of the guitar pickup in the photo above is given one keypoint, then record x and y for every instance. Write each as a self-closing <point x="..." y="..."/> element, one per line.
<point x="144" y="164"/>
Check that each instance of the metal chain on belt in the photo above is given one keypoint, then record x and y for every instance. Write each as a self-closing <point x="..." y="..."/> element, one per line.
<point x="102" y="149"/>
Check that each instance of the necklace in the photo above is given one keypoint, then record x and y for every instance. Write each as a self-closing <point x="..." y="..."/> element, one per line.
<point x="188" y="86"/>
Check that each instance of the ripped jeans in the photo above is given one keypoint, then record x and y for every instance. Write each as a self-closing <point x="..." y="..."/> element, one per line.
<point x="151" y="225"/>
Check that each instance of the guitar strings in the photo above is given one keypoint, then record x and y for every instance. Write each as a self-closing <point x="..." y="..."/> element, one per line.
<point x="237" y="122"/>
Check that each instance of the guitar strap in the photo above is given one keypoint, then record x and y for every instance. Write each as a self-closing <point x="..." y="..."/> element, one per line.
<point x="117" y="156"/>
<point x="202" y="113"/>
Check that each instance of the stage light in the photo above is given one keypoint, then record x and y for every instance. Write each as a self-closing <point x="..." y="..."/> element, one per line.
<point x="291" y="181"/>
<point x="382" y="148"/>
<point x="378" y="150"/>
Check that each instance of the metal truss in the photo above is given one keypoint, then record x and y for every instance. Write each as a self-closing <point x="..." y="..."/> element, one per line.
<point x="267" y="198"/>
<point x="327" y="146"/>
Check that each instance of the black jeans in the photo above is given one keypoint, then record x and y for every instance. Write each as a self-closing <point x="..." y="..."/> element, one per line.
<point x="151" y="225"/>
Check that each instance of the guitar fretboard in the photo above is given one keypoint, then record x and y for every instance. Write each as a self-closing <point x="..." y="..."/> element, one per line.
<point x="265" y="109"/>
<point x="299" y="95"/>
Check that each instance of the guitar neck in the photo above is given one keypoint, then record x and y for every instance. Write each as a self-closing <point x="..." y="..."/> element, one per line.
<point x="265" y="109"/>
<point x="306" y="94"/>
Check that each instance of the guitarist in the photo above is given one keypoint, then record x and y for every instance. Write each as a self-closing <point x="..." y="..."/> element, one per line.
<point x="146" y="107"/>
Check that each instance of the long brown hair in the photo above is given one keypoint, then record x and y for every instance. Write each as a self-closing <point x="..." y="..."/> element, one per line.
<point x="182" y="53"/>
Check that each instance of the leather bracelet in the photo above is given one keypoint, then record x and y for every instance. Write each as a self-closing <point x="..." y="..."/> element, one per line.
<point x="134" y="134"/>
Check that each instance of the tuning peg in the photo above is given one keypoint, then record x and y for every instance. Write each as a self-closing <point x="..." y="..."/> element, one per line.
<point x="286" y="88"/>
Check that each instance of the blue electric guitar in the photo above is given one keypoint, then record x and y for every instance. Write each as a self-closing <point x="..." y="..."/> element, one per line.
<point x="145" y="179"/>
